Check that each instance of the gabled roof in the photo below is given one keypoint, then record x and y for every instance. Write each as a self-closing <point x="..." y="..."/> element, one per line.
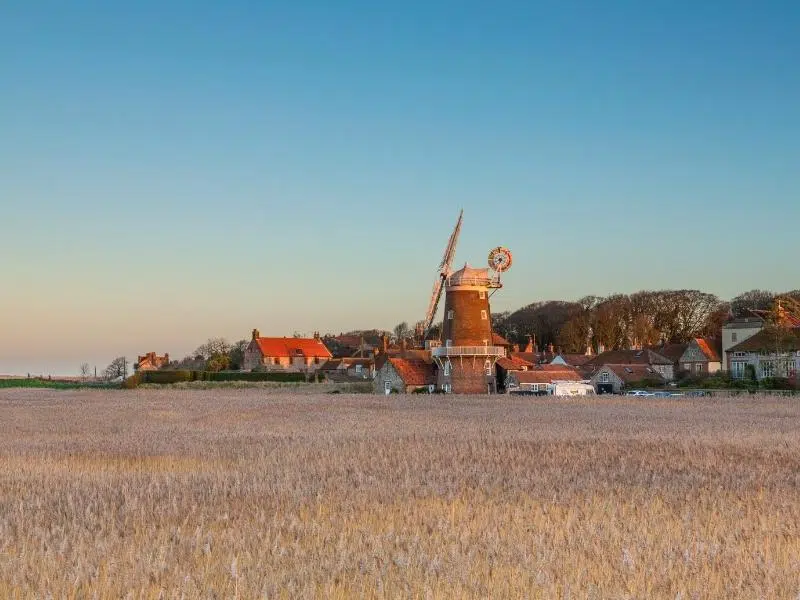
<point x="414" y="371"/>
<point x="513" y="363"/>
<point x="629" y="357"/>
<point x="575" y="360"/>
<point x="634" y="372"/>
<point x="291" y="347"/>
<point x="770" y="340"/>
<point x="709" y="348"/>
<point x="670" y="351"/>
<point x="499" y="340"/>
<point x="540" y="374"/>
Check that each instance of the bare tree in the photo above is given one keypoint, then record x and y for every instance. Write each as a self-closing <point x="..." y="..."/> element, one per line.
<point x="402" y="331"/>
<point x="212" y="347"/>
<point x="117" y="368"/>
<point x="86" y="370"/>
<point x="742" y="304"/>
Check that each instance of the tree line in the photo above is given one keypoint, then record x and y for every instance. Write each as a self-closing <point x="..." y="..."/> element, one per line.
<point x="623" y="321"/>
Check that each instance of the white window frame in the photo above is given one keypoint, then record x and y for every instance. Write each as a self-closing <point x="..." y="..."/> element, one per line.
<point x="484" y="315"/>
<point x="450" y="314"/>
<point x="387" y="386"/>
<point x="448" y="343"/>
<point x="446" y="387"/>
<point x="487" y="367"/>
<point x="604" y="378"/>
<point x="447" y="368"/>
<point x="482" y="294"/>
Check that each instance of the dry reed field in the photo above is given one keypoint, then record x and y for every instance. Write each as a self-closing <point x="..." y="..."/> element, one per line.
<point x="255" y="493"/>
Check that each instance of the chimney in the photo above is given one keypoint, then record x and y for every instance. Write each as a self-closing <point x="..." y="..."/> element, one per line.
<point x="316" y="335"/>
<point x="530" y="347"/>
<point x="256" y="334"/>
<point x="385" y="341"/>
<point x="166" y="357"/>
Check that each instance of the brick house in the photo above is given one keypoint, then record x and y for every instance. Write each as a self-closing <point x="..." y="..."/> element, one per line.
<point x="285" y="354"/>
<point x="770" y="353"/>
<point x="546" y="379"/>
<point x="403" y="374"/>
<point x="151" y="362"/>
<point x="614" y="379"/>
<point x="701" y="357"/>
<point x="646" y="357"/>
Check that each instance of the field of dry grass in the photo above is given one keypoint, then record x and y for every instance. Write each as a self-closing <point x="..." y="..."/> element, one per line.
<point x="248" y="493"/>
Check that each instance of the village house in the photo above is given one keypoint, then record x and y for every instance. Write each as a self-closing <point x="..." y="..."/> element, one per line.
<point x="571" y="360"/>
<point x="646" y="357"/>
<point x="556" y="380"/>
<point x="285" y="354"/>
<point x="614" y="379"/>
<point x="736" y="331"/>
<point x="773" y="352"/>
<point x="403" y="374"/>
<point x="151" y="362"/>
<point x="701" y="357"/>
<point x="349" y="369"/>
<point x="507" y="365"/>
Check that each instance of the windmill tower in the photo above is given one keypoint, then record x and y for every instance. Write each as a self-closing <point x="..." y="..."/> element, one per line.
<point x="467" y="357"/>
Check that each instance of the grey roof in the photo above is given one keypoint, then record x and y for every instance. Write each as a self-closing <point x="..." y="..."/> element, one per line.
<point x="744" y="323"/>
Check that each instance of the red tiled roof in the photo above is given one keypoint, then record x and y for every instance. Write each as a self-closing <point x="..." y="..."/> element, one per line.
<point x="630" y="357"/>
<point x="513" y="363"/>
<point x="499" y="340"/>
<point x="542" y="375"/>
<point x="289" y="347"/>
<point x="707" y="347"/>
<point x="413" y="371"/>
<point x="575" y="360"/>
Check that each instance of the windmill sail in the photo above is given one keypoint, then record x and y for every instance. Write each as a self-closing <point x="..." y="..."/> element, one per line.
<point x="444" y="272"/>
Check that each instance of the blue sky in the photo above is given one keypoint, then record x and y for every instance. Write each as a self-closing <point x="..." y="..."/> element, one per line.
<point x="171" y="171"/>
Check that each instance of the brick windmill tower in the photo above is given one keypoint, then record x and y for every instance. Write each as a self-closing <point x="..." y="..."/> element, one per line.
<point x="466" y="358"/>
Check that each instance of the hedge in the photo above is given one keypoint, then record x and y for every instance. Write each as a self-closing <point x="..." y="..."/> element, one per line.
<point x="181" y="376"/>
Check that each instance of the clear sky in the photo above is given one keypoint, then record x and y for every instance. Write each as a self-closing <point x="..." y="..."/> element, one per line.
<point x="172" y="171"/>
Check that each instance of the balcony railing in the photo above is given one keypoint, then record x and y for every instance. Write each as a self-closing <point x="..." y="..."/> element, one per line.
<point x="443" y="351"/>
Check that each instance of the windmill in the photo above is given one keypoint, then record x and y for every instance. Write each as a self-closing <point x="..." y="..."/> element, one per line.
<point x="443" y="274"/>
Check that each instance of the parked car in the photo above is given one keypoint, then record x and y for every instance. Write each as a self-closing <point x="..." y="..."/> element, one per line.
<point x="638" y="393"/>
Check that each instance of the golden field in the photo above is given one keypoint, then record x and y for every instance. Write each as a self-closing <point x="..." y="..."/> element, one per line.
<point x="255" y="493"/>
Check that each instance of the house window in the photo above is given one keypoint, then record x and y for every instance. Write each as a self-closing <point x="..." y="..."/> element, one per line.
<point x="450" y="314"/>
<point x="737" y="370"/>
<point x="742" y="354"/>
<point x="358" y="369"/>
<point x="316" y="360"/>
<point x="484" y="316"/>
<point x="277" y="361"/>
<point x="698" y="367"/>
<point x="387" y="386"/>
<point x="604" y="377"/>
<point x="446" y="387"/>
<point x="768" y="369"/>
<point x="733" y="336"/>
<point x="482" y="295"/>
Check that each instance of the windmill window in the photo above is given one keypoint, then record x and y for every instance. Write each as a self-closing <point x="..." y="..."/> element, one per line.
<point x="482" y="295"/>
<point x="450" y="314"/>
<point x="484" y="316"/>
<point x="447" y="368"/>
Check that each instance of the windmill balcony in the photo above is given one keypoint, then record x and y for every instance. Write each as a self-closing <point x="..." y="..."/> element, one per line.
<point x="447" y="351"/>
